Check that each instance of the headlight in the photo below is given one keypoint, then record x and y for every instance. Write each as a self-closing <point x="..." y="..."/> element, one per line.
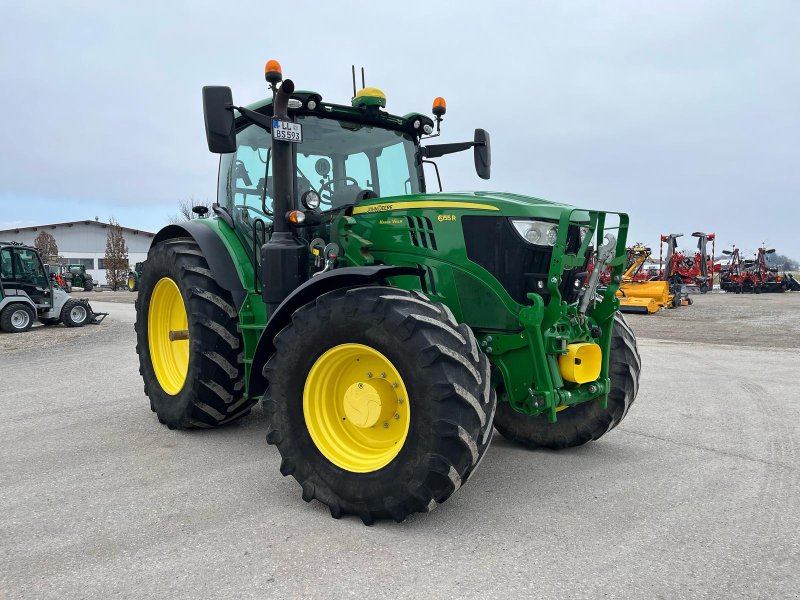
<point x="540" y="233"/>
<point x="310" y="200"/>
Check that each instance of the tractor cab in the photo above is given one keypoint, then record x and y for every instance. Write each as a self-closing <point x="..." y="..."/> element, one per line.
<point x="338" y="155"/>
<point x="22" y="272"/>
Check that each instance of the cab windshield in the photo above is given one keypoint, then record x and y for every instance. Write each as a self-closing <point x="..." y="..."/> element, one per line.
<point x="338" y="159"/>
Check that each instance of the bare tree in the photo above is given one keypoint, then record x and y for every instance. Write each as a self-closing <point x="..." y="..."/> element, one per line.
<point x="116" y="258"/>
<point x="781" y="260"/>
<point x="47" y="247"/>
<point x="185" y="207"/>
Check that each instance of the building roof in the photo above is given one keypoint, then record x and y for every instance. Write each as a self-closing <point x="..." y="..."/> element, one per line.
<point x="73" y="223"/>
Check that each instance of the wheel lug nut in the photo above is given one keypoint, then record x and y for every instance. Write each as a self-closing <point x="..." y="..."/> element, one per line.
<point x="396" y="416"/>
<point x="369" y="374"/>
<point x="386" y="426"/>
<point x="383" y="375"/>
<point x="395" y="385"/>
<point x="399" y="400"/>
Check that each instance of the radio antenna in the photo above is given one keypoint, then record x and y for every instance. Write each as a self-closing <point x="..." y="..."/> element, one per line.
<point x="363" y="85"/>
<point x="354" y="80"/>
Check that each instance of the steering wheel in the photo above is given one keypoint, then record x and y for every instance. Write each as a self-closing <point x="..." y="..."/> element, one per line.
<point x="327" y="186"/>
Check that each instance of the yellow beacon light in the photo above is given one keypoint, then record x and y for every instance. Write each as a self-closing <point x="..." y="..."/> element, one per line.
<point x="439" y="106"/>
<point x="272" y="71"/>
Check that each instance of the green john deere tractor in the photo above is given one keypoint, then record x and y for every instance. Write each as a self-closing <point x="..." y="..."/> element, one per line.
<point x="133" y="277"/>
<point x="77" y="276"/>
<point x="385" y="329"/>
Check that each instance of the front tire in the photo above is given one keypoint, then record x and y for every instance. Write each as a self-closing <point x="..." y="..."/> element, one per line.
<point x="75" y="313"/>
<point x="443" y="429"/>
<point x="199" y="381"/>
<point x="584" y="422"/>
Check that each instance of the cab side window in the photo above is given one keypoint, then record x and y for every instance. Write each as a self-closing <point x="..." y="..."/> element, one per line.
<point x="357" y="166"/>
<point x="6" y="266"/>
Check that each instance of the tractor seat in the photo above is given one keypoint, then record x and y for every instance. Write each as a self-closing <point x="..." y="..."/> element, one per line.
<point x="345" y="195"/>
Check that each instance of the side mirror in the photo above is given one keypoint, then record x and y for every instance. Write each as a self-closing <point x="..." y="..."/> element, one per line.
<point x="483" y="153"/>
<point x="218" y="115"/>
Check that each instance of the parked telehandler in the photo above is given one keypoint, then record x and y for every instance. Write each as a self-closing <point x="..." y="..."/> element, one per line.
<point x="386" y="328"/>
<point x="28" y="293"/>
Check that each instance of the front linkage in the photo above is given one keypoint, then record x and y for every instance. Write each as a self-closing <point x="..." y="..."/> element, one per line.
<point x="529" y="360"/>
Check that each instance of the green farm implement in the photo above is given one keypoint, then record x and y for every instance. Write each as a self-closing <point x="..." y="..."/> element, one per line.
<point x="386" y="329"/>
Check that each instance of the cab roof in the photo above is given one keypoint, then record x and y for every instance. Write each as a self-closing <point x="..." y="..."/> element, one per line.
<point x="368" y="115"/>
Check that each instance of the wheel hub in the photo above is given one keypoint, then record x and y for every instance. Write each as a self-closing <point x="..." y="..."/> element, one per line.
<point x="356" y="408"/>
<point x="362" y="405"/>
<point x="20" y="319"/>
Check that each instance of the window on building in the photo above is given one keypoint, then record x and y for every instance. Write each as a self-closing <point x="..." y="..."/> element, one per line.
<point x="85" y="262"/>
<point x="101" y="263"/>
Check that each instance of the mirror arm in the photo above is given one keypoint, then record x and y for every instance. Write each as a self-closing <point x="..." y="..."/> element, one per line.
<point x="254" y="117"/>
<point x="437" y="150"/>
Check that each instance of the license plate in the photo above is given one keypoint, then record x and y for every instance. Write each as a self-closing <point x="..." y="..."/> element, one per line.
<point x="286" y="131"/>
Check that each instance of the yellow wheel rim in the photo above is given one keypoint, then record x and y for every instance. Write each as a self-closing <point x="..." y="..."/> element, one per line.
<point x="356" y="408"/>
<point x="131" y="283"/>
<point x="167" y="313"/>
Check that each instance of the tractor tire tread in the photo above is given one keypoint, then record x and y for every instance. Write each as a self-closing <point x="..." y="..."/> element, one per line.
<point x="5" y="317"/>
<point x="451" y="373"/>
<point x="213" y="393"/>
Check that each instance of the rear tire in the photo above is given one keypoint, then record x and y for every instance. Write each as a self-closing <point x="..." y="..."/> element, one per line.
<point x="17" y="318"/>
<point x="212" y="392"/>
<point x="450" y="399"/>
<point x="585" y="422"/>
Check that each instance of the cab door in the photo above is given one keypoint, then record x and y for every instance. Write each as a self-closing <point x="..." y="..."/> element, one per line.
<point x="29" y="276"/>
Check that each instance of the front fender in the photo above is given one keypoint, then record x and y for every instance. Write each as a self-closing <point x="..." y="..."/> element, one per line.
<point x="346" y="277"/>
<point x="216" y="254"/>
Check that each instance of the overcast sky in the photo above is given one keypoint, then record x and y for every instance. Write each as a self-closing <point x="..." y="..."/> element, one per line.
<point x="686" y="115"/>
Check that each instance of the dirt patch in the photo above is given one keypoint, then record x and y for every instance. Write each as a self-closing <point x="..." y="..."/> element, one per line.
<point x="763" y="320"/>
<point x="120" y="297"/>
<point x="41" y="336"/>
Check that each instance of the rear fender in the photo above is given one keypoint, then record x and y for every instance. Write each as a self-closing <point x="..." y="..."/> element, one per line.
<point x="22" y="298"/>
<point x="346" y="277"/>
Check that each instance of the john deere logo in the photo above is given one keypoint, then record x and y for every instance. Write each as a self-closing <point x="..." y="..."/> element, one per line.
<point x="380" y="208"/>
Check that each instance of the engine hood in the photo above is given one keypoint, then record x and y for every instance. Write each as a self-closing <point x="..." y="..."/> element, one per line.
<point x="501" y="203"/>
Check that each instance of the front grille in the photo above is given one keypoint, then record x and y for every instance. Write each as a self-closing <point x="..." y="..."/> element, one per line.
<point x="520" y="267"/>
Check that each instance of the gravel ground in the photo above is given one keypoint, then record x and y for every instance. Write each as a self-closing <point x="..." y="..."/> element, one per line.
<point x="695" y="495"/>
<point x="123" y="296"/>
<point x="762" y="320"/>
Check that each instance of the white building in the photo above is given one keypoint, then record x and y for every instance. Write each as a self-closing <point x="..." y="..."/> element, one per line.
<point x="84" y="242"/>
